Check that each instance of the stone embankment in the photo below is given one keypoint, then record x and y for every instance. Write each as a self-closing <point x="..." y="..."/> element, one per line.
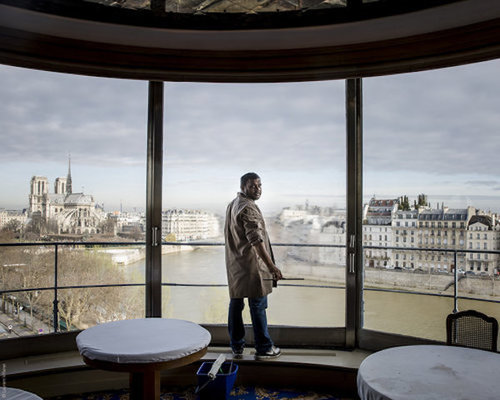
<point x="125" y="256"/>
<point x="404" y="280"/>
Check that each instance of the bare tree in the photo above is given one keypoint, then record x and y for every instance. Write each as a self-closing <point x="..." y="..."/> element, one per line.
<point x="14" y="226"/>
<point x="108" y="226"/>
<point x="82" y="307"/>
<point x="36" y="273"/>
<point x="32" y="268"/>
<point x="27" y="268"/>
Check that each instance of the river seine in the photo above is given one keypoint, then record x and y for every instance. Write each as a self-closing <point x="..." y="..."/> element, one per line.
<point x="321" y="304"/>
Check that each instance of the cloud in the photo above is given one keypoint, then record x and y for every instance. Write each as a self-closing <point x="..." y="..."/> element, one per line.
<point x="46" y="115"/>
<point x="422" y="131"/>
<point x="481" y="183"/>
<point x="282" y="126"/>
<point x="441" y="121"/>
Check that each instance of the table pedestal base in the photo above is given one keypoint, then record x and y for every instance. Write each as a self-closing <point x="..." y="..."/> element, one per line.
<point x="145" y="378"/>
<point x="145" y="385"/>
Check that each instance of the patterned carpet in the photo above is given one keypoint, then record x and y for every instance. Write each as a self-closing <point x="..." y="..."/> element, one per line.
<point x="238" y="393"/>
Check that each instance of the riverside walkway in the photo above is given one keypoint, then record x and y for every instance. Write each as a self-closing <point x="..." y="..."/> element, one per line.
<point x="20" y="325"/>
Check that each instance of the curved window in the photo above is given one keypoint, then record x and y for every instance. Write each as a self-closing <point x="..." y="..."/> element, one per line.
<point x="216" y="133"/>
<point x="440" y="168"/>
<point x="72" y="200"/>
<point x="425" y="160"/>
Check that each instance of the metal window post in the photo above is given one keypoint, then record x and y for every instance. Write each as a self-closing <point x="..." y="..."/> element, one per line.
<point x="455" y="277"/>
<point x="55" y="303"/>
<point x="354" y="208"/>
<point x="154" y="199"/>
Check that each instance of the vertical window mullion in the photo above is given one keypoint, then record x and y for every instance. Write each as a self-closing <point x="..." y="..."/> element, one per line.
<point x="154" y="199"/>
<point x="354" y="244"/>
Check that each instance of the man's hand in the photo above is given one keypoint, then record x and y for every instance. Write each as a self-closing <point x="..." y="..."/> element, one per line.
<point x="275" y="271"/>
<point x="264" y="255"/>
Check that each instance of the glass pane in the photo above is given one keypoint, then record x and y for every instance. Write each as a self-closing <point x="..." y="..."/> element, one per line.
<point x="479" y="280"/>
<point x="204" y="305"/>
<point x="81" y="308"/>
<point x="288" y="305"/>
<point x="407" y="314"/>
<point x="432" y="196"/>
<point x="29" y="272"/>
<point x="216" y="133"/>
<point x="73" y="160"/>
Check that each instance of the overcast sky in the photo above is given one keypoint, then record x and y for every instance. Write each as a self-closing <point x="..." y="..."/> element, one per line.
<point x="428" y="132"/>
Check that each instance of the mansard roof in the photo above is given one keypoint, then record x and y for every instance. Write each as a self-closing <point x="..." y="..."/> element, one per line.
<point x="459" y="214"/>
<point x="381" y="208"/>
<point x="13" y="213"/>
<point x="382" y="202"/>
<point x="482" y="219"/>
<point x="408" y="214"/>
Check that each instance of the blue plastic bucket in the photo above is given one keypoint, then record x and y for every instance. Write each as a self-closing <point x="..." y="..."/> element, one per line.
<point x="221" y="386"/>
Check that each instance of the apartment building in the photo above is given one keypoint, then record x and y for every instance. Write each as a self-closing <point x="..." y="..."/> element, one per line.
<point x="483" y="235"/>
<point x="404" y="233"/>
<point x="377" y="231"/>
<point x="7" y="216"/>
<point x="442" y="228"/>
<point x="190" y="224"/>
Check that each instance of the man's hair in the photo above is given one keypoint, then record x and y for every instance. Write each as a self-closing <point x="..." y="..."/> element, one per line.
<point x="245" y="178"/>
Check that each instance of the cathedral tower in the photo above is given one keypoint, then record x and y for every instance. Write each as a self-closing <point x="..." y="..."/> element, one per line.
<point x="39" y="188"/>
<point x="60" y="186"/>
<point x="69" y="187"/>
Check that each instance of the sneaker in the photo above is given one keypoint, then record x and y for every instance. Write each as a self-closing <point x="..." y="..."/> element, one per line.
<point x="273" y="352"/>
<point x="238" y="353"/>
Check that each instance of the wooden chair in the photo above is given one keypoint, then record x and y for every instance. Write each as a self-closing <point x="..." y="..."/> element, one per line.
<point x="472" y="329"/>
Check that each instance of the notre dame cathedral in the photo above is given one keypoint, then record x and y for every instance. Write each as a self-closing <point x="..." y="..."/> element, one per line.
<point x="64" y="212"/>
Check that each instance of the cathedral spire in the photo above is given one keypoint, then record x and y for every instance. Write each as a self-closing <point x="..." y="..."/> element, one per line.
<point x="69" y="188"/>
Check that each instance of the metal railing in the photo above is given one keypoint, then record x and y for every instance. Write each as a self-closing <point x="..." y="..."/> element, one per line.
<point x="456" y="273"/>
<point x="57" y="245"/>
<point x="56" y="287"/>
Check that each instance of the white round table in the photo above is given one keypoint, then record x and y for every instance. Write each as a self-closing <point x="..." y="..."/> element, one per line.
<point x="143" y="347"/>
<point x="17" y="394"/>
<point x="428" y="372"/>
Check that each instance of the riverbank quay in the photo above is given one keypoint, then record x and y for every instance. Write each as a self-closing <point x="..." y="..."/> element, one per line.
<point x="125" y="256"/>
<point x="482" y="286"/>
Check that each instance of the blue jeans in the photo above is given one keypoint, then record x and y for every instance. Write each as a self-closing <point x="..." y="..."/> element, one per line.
<point x="258" y="306"/>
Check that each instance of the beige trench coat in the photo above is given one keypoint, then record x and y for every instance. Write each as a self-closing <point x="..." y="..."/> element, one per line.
<point x="245" y="227"/>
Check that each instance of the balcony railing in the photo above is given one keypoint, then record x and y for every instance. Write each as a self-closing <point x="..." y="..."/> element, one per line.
<point x="455" y="270"/>
<point x="56" y="287"/>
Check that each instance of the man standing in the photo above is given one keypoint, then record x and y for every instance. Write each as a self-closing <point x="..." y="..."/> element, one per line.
<point x="250" y="268"/>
